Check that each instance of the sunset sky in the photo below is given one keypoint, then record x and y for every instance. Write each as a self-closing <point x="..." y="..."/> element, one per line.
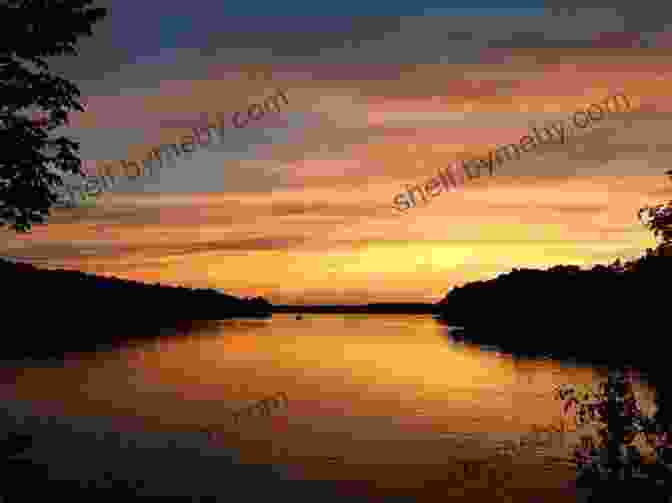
<point x="298" y="206"/>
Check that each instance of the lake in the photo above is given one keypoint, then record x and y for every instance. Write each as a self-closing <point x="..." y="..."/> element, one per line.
<point x="387" y="405"/>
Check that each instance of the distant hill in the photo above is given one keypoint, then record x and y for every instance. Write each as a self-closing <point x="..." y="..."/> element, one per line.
<point x="608" y="313"/>
<point x="376" y="308"/>
<point x="55" y="310"/>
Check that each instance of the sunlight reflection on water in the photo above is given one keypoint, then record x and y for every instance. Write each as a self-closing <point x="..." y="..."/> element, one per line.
<point x="386" y="391"/>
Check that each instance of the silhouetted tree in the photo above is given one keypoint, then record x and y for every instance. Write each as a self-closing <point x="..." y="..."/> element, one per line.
<point x="29" y="160"/>
<point x="615" y="410"/>
<point x="658" y="219"/>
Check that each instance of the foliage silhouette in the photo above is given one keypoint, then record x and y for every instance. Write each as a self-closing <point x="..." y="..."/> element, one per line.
<point x="109" y="310"/>
<point x="615" y="461"/>
<point x="550" y="311"/>
<point x="658" y="219"/>
<point x="30" y="161"/>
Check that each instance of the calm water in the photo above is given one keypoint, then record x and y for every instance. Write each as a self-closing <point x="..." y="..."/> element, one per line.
<point x="392" y="401"/>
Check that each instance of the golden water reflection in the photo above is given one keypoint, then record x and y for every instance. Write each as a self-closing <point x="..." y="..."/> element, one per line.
<point x="388" y="398"/>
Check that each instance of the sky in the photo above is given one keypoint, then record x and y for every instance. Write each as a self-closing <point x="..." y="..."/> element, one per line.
<point x="297" y="206"/>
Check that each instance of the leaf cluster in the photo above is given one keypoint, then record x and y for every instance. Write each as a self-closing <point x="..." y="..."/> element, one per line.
<point x="658" y="218"/>
<point x="616" y="411"/>
<point x="31" y="162"/>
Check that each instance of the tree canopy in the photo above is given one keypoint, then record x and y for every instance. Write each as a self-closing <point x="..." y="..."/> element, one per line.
<point x="658" y="219"/>
<point x="31" y="161"/>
